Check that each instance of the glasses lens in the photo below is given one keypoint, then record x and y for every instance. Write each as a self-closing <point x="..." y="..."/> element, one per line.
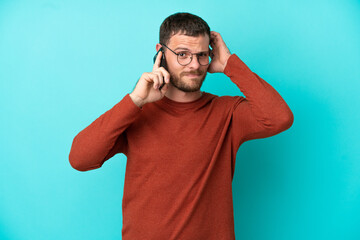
<point x="204" y="58"/>
<point x="184" y="58"/>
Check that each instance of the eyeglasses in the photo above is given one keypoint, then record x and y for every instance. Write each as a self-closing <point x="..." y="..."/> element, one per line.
<point x="185" y="57"/>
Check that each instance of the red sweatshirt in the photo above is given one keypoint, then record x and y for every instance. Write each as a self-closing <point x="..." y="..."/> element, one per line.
<point x="181" y="156"/>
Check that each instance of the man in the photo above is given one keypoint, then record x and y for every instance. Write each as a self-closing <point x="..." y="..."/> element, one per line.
<point x="180" y="142"/>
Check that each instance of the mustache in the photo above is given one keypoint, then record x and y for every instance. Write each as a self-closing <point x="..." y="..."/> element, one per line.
<point x="198" y="72"/>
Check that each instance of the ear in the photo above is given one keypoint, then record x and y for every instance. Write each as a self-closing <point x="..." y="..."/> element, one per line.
<point x="158" y="46"/>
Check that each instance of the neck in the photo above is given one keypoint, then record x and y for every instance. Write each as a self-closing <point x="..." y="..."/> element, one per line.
<point x="180" y="96"/>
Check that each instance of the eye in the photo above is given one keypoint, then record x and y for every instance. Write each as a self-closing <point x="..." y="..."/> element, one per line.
<point x="203" y="54"/>
<point x="182" y="54"/>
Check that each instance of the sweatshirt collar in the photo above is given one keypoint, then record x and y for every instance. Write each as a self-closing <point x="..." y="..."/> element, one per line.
<point x="167" y="102"/>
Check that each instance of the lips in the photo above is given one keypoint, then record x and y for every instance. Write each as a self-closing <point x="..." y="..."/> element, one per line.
<point x="192" y="75"/>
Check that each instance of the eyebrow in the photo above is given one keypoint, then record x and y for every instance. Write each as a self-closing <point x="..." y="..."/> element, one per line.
<point x="183" y="48"/>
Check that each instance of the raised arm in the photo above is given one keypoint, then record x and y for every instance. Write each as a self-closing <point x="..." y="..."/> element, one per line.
<point x="104" y="137"/>
<point x="263" y="112"/>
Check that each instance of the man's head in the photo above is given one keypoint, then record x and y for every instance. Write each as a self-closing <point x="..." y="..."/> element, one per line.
<point x="182" y="32"/>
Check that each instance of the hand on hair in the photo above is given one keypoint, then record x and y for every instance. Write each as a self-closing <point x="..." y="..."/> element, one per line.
<point x="220" y="53"/>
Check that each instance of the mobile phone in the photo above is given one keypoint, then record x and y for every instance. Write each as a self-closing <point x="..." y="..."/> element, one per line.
<point x="162" y="63"/>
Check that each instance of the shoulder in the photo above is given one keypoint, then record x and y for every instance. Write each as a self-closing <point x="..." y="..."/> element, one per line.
<point x="223" y="101"/>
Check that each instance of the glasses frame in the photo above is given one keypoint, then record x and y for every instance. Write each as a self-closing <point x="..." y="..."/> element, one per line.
<point x="191" y="56"/>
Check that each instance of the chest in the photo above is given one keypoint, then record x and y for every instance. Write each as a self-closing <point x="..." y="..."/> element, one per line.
<point x="188" y="139"/>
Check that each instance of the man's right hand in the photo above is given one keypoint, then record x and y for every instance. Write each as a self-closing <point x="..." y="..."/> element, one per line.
<point x="147" y="88"/>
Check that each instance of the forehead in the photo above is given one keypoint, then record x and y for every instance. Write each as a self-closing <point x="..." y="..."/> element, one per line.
<point x="198" y="43"/>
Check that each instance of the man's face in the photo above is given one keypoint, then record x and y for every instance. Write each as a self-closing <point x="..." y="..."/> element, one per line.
<point x="187" y="78"/>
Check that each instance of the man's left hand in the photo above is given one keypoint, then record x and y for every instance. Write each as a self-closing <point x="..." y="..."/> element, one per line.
<point x="220" y="53"/>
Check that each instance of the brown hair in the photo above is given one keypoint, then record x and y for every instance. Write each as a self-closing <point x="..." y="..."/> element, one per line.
<point x="185" y="23"/>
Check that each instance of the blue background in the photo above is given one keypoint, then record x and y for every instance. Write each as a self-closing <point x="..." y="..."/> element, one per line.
<point x="64" y="63"/>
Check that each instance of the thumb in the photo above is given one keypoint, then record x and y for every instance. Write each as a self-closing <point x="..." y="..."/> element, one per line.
<point x="164" y="88"/>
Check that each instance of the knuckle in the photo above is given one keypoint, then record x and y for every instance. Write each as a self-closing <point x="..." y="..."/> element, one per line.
<point x="144" y="76"/>
<point x="153" y="76"/>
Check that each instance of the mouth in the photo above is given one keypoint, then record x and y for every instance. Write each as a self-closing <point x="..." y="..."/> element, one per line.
<point x="192" y="75"/>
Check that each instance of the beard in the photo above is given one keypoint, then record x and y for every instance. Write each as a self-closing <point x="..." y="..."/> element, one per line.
<point x="190" y="85"/>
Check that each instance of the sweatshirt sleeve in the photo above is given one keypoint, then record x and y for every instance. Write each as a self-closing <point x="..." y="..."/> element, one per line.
<point x="104" y="137"/>
<point x="263" y="112"/>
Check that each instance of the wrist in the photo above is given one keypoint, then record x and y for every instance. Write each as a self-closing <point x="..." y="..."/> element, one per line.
<point x="137" y="100"/>
<point x="227" y="58"/>
<point x="226" y="64"/>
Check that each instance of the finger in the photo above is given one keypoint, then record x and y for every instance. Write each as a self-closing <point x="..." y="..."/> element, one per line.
<point x="164" y="88"/>
<point x="151" y="79"/>
<point x="157" y="61"/>
<point x="166" y="74"/>
<point x="160" y="77"/>
<point x="215" y="37"/>
<point x="147" y="77"/>
<point x="156" y="81"/>
<point x="213" y="42"/>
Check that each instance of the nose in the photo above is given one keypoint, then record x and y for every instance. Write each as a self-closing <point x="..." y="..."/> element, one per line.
<point x="194" y="64"/>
